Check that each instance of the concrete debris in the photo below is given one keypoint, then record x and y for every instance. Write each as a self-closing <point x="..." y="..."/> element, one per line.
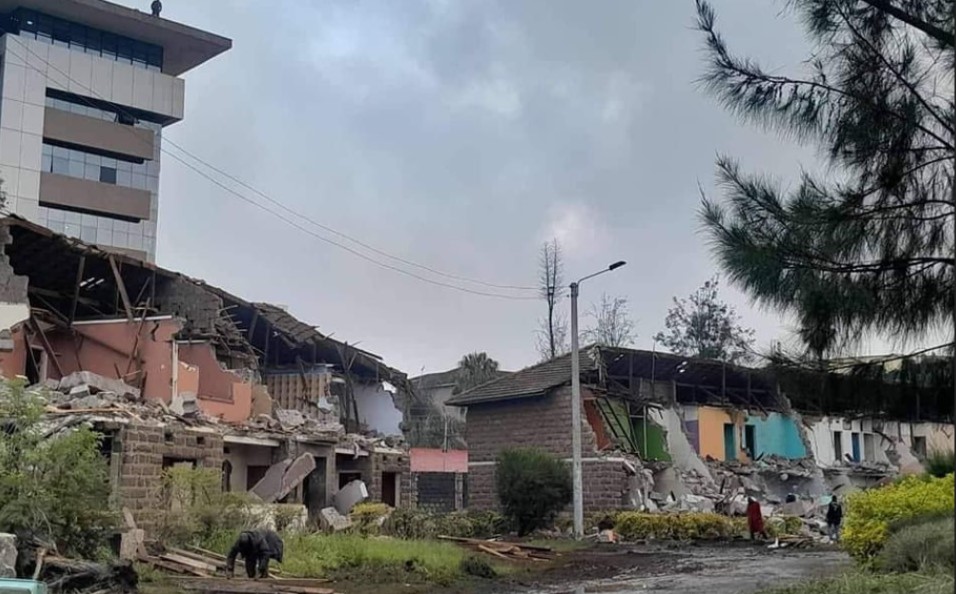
<point x="271" y="482"/>
<point x="799" y="508"/>
<point x="8" y="556"/>
<point x="331" y="520"/>
<point x="289" y="418"/>
<point x="349" y="496"/>
<point x="98" y="383"/>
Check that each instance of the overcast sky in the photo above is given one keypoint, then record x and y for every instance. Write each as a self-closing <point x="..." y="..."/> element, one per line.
<point x="460" y="135"/>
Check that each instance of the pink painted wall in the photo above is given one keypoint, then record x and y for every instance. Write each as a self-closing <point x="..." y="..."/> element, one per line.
<point x="102" y="347"/>
<point x="14" y="363"/>
<point x="435" y="460"/>
<point x="220" y="392"/>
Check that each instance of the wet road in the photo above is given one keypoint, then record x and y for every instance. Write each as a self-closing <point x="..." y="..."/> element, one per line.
<point x="716" y="571"/>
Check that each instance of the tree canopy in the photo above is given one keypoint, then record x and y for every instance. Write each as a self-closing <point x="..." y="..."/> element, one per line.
<point x="704" y="326"/>
<point x="867" y="246"/>
<point x="475" y="369"/>
<point x="611" y="323"/>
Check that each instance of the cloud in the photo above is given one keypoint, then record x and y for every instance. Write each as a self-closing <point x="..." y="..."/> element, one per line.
<point x="577" y="227"/>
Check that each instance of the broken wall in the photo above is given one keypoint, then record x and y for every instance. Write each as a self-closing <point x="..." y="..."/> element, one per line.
<point x="307" y="390"/>
<point x="376" y="408"/>
<point x="711" y="423"/>
<point x="682" y="451"/>
<point x="939" y="436"/>
<point x="778" y="435"/>
<point x="242" y="457"/>
<point x="118" y="347"/>
<point x="220" y="392"/>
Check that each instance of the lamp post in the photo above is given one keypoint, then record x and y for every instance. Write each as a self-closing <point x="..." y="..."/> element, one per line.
<point x="578" y="481"/>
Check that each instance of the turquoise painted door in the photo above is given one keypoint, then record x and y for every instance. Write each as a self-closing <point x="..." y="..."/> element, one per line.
<point x="730" y="442"/>
<point x="855" y="441"/>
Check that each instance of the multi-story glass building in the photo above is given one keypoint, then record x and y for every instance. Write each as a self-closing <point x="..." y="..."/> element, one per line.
<point x="86" y="88"/>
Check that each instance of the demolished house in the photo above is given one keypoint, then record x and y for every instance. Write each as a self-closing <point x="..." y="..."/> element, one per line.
<point x="174" y="372"/>
<point x="673" y="432"/>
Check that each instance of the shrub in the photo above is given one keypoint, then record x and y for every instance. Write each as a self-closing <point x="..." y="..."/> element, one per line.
<point x="928" y="546"/>
<point x="52" y="487"/>
<point x="533" y="486"/>
<point x="940" y="463"/>
<point x="487" y="524"/>
<point x="198" y="511"/>
<point x="870" y="583"/>
<point x="367" y="518"/>
<point x="477" y="567"/>
<point x="690" y="526"/>
<point x="871" y="513"/>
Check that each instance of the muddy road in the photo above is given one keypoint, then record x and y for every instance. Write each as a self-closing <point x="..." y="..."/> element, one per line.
<point x="737" y="569"/>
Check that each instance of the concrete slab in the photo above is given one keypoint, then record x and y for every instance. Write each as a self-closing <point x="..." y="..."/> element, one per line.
<point x="295" y="474"/>
<point x="333" y="521"/>
<point x="271" y="483"/>
<point x="349" y="496"/>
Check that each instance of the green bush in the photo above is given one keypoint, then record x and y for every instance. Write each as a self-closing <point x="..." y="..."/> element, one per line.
<point x="419" y="524"/>
<point x="532" y="486"/>
<point x="477" y="567"/>
<point x="940" y="463"/>
<point x="53" y="487"/>
<point x="695" y="526"/>
<point x="367" y="517"/>
<point x="198" y="511"/>
<point x="871" y="513"/>
<point x="928" y="546"/>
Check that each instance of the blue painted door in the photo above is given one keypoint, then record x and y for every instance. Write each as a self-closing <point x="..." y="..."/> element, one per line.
<point x="730" y="442"/>
<point x="855" y="440"/>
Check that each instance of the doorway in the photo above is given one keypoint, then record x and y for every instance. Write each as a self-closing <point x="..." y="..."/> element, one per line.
<point x="838" y="446"/>
<point x="855" y="443"/>
<point x="390" y="488"/>
<point x="750" y="441"/>
<point x="730" y="442"/>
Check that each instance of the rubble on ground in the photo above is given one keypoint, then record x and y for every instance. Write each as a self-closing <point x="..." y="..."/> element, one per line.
<point x="8" y="556"/>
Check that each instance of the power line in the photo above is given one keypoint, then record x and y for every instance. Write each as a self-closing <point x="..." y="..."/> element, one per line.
<point x="285" y="219"/>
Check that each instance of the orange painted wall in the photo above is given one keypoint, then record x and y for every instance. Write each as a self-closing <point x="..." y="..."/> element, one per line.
<point x="102" y="347"/>
<point x="711" y="428"/>
<point x="14" y="363"/>
<point x="220" y="393"/>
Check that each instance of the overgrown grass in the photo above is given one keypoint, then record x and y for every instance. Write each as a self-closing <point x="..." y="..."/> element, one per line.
<point x="927" y="547"/>
<point x="372" y="559"/>
<point x="872" y="583"/>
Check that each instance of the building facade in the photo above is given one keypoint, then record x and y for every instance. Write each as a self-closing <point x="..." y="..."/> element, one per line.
<point x="87" y="88"/>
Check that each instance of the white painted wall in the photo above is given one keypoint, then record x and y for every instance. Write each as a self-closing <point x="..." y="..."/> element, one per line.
<point x="682" y="452"/>
<point x="242" y="456"/>
<point x="377" y="410"/>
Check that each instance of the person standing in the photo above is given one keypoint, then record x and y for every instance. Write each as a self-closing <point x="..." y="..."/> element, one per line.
<point x="834" y="518"/>
<point x="755" y="519"/>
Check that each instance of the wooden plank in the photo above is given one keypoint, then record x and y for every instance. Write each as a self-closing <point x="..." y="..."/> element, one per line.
<point x="283" y="582"/>
<point x="491" y="551"/>
<point x="217" y="563"/>
<point x="80" y="270"/>
<point x="122" y="289"/>
<point x="198" y="565"/>
<point x="206" y="553"/>
<point x="173" y="567"/>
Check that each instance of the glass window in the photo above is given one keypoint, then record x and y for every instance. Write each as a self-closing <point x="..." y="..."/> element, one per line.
<point x="109" y="41"/>
<point x="56" y="214"/>
<point x="47" y="163"/>
<point x="76" y="169"/>
<point x="124" y="178"/>
<point x="108" y="175"/>
<point x="124" y="51"/>
<point x="91" y="172"/>
<point x="104" y="236"/>
<point x="88" y="234"/>
<point x="60" y="165"/>
<point x="62" y="153"/>
<point x="139" y="181"/>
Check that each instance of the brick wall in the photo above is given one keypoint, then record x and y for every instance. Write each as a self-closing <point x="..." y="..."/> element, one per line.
<point x="542" y="422"/>
<point x="143" y="449"/>
<point x="605" y="486"/>
<point x="397" y="463"/>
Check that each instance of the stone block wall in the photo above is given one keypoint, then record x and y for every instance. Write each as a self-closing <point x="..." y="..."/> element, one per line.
<point x="606" y="486"/>
<point x="397" y="463"/>
<point x="542" y="422"/>
<point x="143" y="449"/>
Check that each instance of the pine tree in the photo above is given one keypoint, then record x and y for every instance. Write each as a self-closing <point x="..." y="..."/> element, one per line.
<point x="868" y="246"/>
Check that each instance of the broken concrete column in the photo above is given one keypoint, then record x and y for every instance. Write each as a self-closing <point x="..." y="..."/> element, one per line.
<point x="349" y="496"/>
<point x="8" y="556"/>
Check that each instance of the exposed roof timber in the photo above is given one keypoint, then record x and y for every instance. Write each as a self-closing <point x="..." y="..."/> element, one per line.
<point x="51" y="261"/>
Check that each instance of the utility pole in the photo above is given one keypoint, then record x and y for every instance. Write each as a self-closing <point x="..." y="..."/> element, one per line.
<point x="577" y="478"/>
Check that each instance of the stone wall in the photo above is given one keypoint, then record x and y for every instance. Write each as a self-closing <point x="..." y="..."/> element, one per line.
<point x="542" y="422"/>
<point x="142" y="451"/>
<point x="607" y="486"/>
<point x="396" y="463"/>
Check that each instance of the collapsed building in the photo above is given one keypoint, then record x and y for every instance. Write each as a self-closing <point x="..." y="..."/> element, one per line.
<point x="679" y="432"/>
<point x="173" y="371"/>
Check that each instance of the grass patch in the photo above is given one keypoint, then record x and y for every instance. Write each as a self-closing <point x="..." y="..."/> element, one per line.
<point x="374" y="559"/>
<point x="928" y="546"/>
<point x="873" y="583"/>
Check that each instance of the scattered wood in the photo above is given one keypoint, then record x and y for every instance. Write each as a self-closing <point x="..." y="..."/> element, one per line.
<point x="208" y="568"/>
<point x="506" y="550"/>
<point x="39" y="566"/>
<point x="247" y="586"/>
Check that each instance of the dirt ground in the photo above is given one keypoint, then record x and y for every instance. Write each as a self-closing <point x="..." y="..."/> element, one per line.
<point x="740" y="568"/>
<point x="734" y="568"/>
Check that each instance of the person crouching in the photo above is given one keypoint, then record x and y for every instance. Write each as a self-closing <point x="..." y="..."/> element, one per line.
<point x="256" y="547"/>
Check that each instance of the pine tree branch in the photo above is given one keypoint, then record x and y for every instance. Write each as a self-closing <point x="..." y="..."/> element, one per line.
<point x="889" y="66"/>
<point x="932" y="30"/>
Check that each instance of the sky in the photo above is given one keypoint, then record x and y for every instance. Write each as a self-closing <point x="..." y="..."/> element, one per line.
<point x="460" y="135"/>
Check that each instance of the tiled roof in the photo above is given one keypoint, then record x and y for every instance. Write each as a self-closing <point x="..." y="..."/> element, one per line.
<point x="536" y="380"/>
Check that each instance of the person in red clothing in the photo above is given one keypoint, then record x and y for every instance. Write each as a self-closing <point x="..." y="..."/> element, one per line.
<point x="755" y="519"/>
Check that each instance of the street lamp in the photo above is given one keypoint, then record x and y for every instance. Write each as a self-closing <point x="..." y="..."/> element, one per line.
<point x="576" y="405"/>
